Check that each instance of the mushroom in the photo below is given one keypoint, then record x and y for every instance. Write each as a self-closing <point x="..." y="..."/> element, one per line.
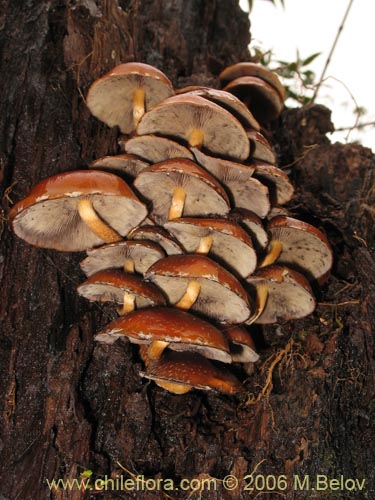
<point x="179" y="372"/>
<point x="221" y="238"/>
<point x="241" y="344"/>
<point x="112" y="285"/>
<point x="279" y="185"/>
<point x="159" y="235"/>
<point x="288" y="295"/>
<point x="127" y="164"/>
<point x="155" y="149"/>
<point x="246" y="191"/>
<point x="131" y="255"/>
<point x="301" y="246"/>
<point x="199" y="122"/>
<point x="252" y="223"/>
<point x="77" y="210"/>
<point x="161" y="327"/>
<point x="260" y="148"/>
<point x="178" y="187"/>
<point x="199" y="283"/>
<point x="121" y="96"/>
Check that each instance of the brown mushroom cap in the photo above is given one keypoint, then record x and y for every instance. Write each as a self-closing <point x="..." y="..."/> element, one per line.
<point x="221" y="295"/>
<point x="182" y="115"/>
<point x="289" y="294"/>
<point x="260" y="148"/>
<point x="204" y="195"/>
<point x="262" y="99"/>
<point x="304" y="247"/>
<point x="155" y="149"/>
<point x="230" y="243"/>
<point x="109" y="286"/>
<point x="253" y="225"/>
<point x="280" y="187"/>
<point x="246" y="191"/>
<point x="142" y="253"/>
<point x="128" y="164"/>
<point x="252" y="69"/>
<point x="241" y="344"/>
<point x="179" y="372"/>
<point x="110" y="99"/>
<point x="180" y="329"/>
<point x="159" y="235"/>
<point x="48" y="216"/>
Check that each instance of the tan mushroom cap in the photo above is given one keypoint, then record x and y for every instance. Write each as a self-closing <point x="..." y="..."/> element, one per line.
<point x="179" y="372"/>
<point x="48" y="217"/>
<point x="262" y="99"/>
<point x="180" y="329"/>
<point x="200" y="123"/>
<point x="280" y="187"/>
<point x="221" y="295"/>
<point x="253" y="69"/>
<point x="155" y="149"/>
<point x="227" y="241"/>
<point x="159" y="235"/>
<point x="253" y="224"/>
<point x="304" y="247"/>
<point x="110" y="99"/>
<point x="289" y="294"/>
<point x="127" y="164"/>
<point x="245" y="191"/>
<point x="204" y="194"/>
<point x="241" y="344"/>
<point x="260" y="149"/>
<point x="142" y="254"/>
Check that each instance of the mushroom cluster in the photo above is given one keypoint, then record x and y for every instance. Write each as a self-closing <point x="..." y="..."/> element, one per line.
<point x="184" y="230"/>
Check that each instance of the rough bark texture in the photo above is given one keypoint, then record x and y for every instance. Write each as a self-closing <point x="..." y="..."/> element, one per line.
<point x="67" y="405"/>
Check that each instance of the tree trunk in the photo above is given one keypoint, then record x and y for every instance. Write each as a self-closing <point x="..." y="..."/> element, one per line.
<point x="68" y="405"/>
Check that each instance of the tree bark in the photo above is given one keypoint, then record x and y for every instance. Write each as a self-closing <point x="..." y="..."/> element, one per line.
<point x="68" y="405"/>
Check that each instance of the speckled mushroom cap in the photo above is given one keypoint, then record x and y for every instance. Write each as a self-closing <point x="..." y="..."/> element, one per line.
<point x="289" y="294"/>
<point x="252" y="69"/>
<point x="230" y="243"/>
<point x="110" y="98"/>
<point x="260" y="148"/>
<point x="245" y="191"/>
<point x="204" y="194"/>
<point x="48" y="216"/>
<point x="180" y="115"/>
<point x="221" y="295"/>
<point x="114" y="255"/>
<point x="252" y="223"/>
<point x="241" y="344"/>
<point x="109" y="286"/>
<point x="127" y="164"/>
<point x="262" y="99"/>
<point x="280" y="187"/>
<point x="160" y="236"/>
<point x="190" y="370"/>
<point x="182" y="331"/>
<point x="304" y="247"/>
<point x="155" y="149"/>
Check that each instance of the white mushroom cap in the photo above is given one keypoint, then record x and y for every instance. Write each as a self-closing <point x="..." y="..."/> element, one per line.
<point x="155" y="149"/>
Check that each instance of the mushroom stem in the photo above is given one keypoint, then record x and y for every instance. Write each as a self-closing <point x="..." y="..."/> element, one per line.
<point x="177" y="203"/>
<point x="138" y="105"/>
<point x="95" y="223"/>
<point x="205" y="245"/>
<point x="190" y="296"/>
<point x="156" y="349"/>
<point x="261" y="301"/>
<point x="273" y="254"/>
<point x="128" y="304"/>
<point x="174" y="387"/>
<point x="129" y="266"/>
<point x="196" y="138"/>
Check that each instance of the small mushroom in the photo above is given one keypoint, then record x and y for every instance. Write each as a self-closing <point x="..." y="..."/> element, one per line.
<point x="279" y="185"/>
<point x="179" y="372"/>
<point x="159" y="235"/>
<point x="127" y="164"/>
<point x="161" y="327"/>
<point x="241" y="344"/>
<point x="200" y="123"/>
<point x="288" y="295"/>
<point x="77" y="210"/>
<point x="245" y="191"/>
<point x="260" y="148"/>
<point x="179" y="186"/>
<point x="130" y="255"/>
<point x="252" y="223"/>
<point x="221" y="238"/>
<point x="129" y="290"/>
<point x="155" y="149"/>
<point x="121" y="96"/>
<point x="199" y="283"/>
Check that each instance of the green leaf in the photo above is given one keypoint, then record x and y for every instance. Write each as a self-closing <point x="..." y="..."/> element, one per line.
<point x="86" y="473"/>
<point x="310" y="59"/>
